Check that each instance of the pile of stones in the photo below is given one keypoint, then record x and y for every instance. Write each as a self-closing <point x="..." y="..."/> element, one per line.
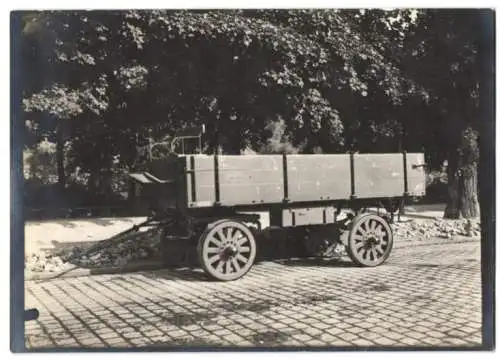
<point x="141" y="245"/>
<point x="440" y="228"/>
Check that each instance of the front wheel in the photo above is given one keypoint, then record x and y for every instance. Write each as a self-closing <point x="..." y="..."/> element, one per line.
<point x="370" y="240"/>
<point x="227" y="250"/>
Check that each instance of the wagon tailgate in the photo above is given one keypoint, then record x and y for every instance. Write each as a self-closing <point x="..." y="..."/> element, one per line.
<point x="415" y="174"/>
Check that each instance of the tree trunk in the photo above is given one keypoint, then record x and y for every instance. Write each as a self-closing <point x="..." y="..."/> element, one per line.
<point x="462" y="191"/>
<point x="452" y="210"/>
<point x="61" y="174"/>
<point x="469" y="199"/>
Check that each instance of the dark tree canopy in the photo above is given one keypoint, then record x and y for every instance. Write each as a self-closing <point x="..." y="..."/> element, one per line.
<point x="101" y="83"/>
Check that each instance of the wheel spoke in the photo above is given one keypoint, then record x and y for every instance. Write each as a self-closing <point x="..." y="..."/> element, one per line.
<point x="363" y="253"/>
<point x="374" y="254"/>
<point x="241" y="258"/>
<point x="372" y="224"/>
<point x="236" y="266"/>
<point x="241" y="240"/>
<point x="219" y="266"/>
<point x="221" y="235"/>
<point x="244" y="249"/>
<point x="230" y="233"/>
<point x="212" y="250"/>
<point x="213" y="259"/>
<point x="358" y="245"/>
<point x="379" y="249"/>
<point x="215" y="241"/>
<point x="357" y="237"/>
<point x="228" y="267"/>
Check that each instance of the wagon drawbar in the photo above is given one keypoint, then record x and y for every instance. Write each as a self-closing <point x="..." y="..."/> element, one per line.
<point x="208" y="205"/>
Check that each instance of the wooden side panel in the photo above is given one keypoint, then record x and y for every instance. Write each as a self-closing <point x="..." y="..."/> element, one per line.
<point x="260" y="179"/>
<point x="318" y="177"/>
<point x="308" y="216"/>
<point x="252" y="179"/>
<point x="201" y="178"/>
<point x="378" y="175"/>
<point x="416" y="174"/>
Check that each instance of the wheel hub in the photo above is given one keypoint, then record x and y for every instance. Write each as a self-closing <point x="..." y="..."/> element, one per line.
<point x="371" y="239"/>
<point x="230" y="251"/>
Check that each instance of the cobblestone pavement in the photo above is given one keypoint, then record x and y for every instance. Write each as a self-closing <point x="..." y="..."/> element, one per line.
<point x="423" y="296"/>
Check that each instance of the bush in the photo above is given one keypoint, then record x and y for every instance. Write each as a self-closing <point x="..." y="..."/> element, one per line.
<point x="279" y="142"/>
<point x="436" y="187"/>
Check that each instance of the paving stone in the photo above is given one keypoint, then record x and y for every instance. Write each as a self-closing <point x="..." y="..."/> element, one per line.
<point x="457" y="342"/>
<point x="302" y="337"/>
<point x="369" y="335"/>
<point x="436" y="334"/>
<point x="312" y="331"/>
<point x="340" y="343"/>
<point x="356" y="330"/>
<point x="362" y="342"/>
<point x="457" y="333"/>
<point x="410" y="341"/>
<point x="298" y="325"/>
<point x="327" y="338"/>
<point x="432" y="341"/>
<point x="315" y="342"/>
<point x="347" y="337"/>
<point x="334" y="331"/>
<point x="384" y="341"/>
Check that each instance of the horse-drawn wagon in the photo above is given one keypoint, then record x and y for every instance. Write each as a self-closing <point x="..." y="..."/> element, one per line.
<point x="208" y="204"/>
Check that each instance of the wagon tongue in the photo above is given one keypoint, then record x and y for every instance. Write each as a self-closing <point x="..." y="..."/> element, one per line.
<point x="147" y="178"/>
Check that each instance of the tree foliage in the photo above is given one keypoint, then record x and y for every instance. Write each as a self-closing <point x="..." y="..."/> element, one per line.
<point x="101" y="83"/>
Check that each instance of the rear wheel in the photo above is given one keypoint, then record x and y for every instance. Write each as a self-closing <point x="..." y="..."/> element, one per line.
<point x="370" y="240"/>
<point x="227" y="250"/>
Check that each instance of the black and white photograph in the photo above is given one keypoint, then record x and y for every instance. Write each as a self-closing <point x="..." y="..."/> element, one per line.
<point x="292" y="179"/>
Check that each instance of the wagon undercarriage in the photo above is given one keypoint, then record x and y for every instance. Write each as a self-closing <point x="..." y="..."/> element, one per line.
<point x="224" y="243"/>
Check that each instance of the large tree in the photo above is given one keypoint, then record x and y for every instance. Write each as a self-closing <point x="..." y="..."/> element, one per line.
<point x="444" y="54"/>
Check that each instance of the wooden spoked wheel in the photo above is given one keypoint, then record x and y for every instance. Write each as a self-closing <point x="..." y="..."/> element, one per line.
<point x="370" y="240"/>
<point x="227" y="250"/>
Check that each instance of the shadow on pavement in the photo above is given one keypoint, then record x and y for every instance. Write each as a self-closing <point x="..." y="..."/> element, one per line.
<point x="268" y="251"/>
